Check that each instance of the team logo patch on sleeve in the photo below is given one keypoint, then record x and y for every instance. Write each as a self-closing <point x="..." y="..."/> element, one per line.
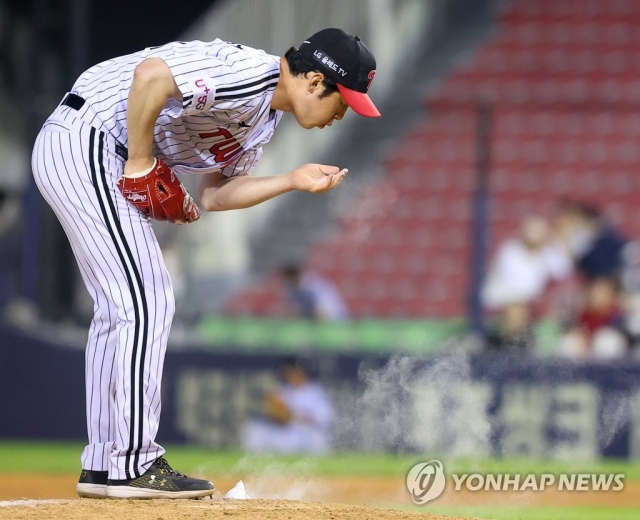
<point x="204" y="92"/>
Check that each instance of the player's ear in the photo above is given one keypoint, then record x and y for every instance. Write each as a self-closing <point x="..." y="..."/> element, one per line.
<point x="315" y="82"/>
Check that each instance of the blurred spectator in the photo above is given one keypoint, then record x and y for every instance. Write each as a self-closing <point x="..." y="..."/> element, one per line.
<point x="521" y="270"/>
<point x="594" y="244"/>
<point x="297" y="417"/>
<point x="313" y="296"/>
<point x="598" y="331"/>
<point x="630" y="281"/>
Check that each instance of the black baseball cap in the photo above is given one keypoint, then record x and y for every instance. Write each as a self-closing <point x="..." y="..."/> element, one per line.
<point x="347" y="61"/>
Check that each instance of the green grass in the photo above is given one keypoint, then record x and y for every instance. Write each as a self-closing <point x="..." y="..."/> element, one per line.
<point x="50" y="457"/>
<point x="40" y="457"/>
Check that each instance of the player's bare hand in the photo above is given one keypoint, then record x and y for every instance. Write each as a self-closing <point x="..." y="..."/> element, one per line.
<point x="317" y="178"/>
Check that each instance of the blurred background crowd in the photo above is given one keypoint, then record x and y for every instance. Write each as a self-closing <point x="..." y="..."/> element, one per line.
<point x="576" y="270"/>
<point x="496" y="197"/>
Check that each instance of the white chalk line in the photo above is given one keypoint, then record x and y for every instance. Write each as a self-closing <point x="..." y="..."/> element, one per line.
<point x="30" y="503"/>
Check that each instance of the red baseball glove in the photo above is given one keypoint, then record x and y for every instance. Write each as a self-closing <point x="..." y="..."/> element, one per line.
<point x="160" y="195"/>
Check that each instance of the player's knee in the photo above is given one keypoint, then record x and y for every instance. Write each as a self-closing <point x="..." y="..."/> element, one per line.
<point x="165" y="304"/>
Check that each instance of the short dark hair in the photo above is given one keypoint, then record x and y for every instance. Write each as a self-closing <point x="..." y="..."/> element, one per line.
<point x="307" y="363"/>
<point x="300" y="65"/>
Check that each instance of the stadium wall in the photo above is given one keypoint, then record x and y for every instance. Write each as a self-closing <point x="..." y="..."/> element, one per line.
<point x="454" y="404"/>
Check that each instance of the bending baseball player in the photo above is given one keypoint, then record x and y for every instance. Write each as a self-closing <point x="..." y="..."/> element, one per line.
<point x="106" y="161"/>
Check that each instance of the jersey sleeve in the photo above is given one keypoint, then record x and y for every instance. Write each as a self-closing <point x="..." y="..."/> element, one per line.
<point x="197" y="78"/>
<point x="220" y="83"/>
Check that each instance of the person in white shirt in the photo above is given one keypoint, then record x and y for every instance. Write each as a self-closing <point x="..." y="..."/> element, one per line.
<point x="298" y="416"/>
<point x="520" y="272"/>
<point x="314" y="296"/>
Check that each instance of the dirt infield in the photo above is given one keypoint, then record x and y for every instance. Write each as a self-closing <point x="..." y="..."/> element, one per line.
<point x="196" y="509"/>
<point x="53" y="496"/>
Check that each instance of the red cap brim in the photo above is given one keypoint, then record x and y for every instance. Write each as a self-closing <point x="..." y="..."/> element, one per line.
<point x="359" y="102"/>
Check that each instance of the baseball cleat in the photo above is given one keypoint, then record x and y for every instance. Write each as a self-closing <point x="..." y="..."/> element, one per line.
<point x="92" y="484"/>
<point x="160" y="481"/>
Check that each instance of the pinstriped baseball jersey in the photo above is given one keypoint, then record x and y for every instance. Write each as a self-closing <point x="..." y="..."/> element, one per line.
<point x="224" y="118"/>
<point x="220" y="125"/>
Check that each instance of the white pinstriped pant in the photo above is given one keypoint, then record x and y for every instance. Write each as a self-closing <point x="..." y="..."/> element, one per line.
<point x="76" y="168"/>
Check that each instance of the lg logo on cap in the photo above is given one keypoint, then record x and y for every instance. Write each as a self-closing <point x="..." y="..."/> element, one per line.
<point x="370" y="76"/>
<point x="426" y="481"/>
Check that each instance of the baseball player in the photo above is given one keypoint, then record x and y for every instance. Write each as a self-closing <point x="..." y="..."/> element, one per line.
<point x="106" y="161"/>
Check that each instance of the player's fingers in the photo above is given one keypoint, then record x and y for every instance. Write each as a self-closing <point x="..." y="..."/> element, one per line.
<point x="340" y="177"/>
<point x="336" y="180"/>
<point x="323" y="184"/>
<point x="328" y="170"/>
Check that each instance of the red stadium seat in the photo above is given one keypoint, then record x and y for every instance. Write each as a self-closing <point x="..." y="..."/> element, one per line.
<point x="563" y="79"/>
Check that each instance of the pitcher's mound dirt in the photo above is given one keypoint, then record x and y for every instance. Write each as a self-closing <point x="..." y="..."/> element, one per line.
<point x="197" y="509"/>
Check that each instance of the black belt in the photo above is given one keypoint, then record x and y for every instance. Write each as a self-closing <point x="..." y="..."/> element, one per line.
<point x="76" y="102"/>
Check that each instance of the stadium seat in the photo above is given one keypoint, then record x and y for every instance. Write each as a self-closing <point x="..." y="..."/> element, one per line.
<point x="563" y="80"/>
